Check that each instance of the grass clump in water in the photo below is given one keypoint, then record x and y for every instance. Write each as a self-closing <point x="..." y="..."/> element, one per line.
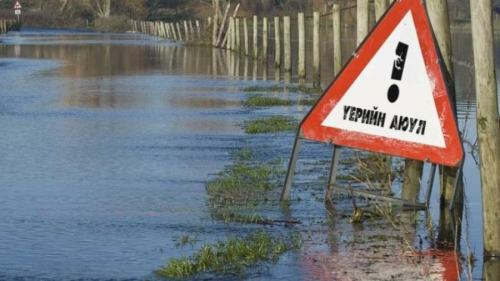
<point x="275" y="88"/>
<point x="242" y="177"/>
<point x="260" y="100"/>
<point x="233" y="256"/>
<point x="185" y="240"/>
<point x="270" y="125"/>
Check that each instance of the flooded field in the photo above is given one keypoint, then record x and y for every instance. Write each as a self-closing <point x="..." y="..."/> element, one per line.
<point x="117" y="150"/>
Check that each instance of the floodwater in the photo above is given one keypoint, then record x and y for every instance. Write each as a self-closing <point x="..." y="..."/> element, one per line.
<point x="107" y="141"/>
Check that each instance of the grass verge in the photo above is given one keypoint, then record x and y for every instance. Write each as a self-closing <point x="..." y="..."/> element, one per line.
<point x="233" y="256"/>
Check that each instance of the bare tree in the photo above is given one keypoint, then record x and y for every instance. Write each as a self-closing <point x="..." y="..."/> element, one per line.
<point x="102" y="8"/>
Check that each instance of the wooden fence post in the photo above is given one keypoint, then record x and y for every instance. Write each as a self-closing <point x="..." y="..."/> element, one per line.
<point x="362" y="20"/>
<point x="488" y="126"/>
<point x="316" y="52"/>
<point x="163" y="29"/>
<point x="227" y="40"/>
<point x="238" y="37"/>
<point x="245" y="36"/>
<point x="223" y="24"/>
<point x="264" y="40"/>
<point x="277" y="43"/>
<point x="337" y="44"/>
<point x="167" y="28"/>
<point x="179" y="31"/>
<point x="302" y="46"/>
<point x="186" y="31"/>
<point x="233" y="34"/>
<point x="380" y="8"/>
<point x="287" y="44"/>
<point x="172" y="27"/>
<point x="255" y="37"/>
<point x="438" y="15"/>
<point x="216" y="22"/>
<point x="191" y="30"/>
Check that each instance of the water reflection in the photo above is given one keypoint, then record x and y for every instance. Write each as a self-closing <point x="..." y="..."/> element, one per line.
<point x="491" y="270"/>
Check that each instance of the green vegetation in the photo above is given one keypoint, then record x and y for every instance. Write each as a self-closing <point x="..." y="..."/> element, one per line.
<point x="270" y="125"/>
<point x="373" y="169"/>
<point x="185" y="240"/>
<point x="228" y="217"/>
<point x="233" y="256"/>
<point x="259" y="100"/>
<point x="244" y="154"/>
<point x="243" y="178"/>
<point x="246" y="176"/>
<point x="292" y="89"/>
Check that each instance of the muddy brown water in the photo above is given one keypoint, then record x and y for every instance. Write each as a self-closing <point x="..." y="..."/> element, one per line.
<point x="107" y="141"/>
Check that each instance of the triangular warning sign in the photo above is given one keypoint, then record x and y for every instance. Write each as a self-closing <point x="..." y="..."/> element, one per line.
<point x="391" y="97"/>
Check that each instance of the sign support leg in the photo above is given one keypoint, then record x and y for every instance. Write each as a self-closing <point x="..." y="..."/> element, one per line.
<point x="285" y="194"/>
<point x="456" y="183"/>
<point x="333" y="172"/>
<point x="430" y="184"/>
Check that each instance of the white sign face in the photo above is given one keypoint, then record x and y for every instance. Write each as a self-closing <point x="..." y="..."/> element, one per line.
<point x="18" y="12"/>
<point x="17" y="6"/>
<point x="396" y="86"/>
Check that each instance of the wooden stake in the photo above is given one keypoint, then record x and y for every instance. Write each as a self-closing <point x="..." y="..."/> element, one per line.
<point x="216" y="22"/>
<point x="287" y="44"/>
<point x="173" y="31"/>
<point x="186" y="30"/>
<point x="277" y="43"/>
<point x="255" y="37"/>
<point x="238" y="37"/>
<point x="198" y="30"/>
<point x="222" y="25"/>
<point x="488" y="126"/>
<point x="233" y="34"/>
<point x="337" y="44"/>
<point x="264" y="39"/>
<point x="362" y="20"/>
<point x="179" y="31"/>
<point x="245" y="36"/>
<point x="302" y="46"/>
<point x="316" y="52"/>
<point x="191" y="30"/>
<point x="380" y="8"/>
<point x="438" y="15"/>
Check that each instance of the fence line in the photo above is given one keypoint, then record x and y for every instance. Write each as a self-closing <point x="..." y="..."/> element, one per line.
<point x="8" y="25"/>
<point x="229" y="37"/>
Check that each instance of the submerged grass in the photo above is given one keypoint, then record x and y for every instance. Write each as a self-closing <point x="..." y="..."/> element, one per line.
<point x="240" y="177"/>
<point x="246" y="176"/>
<point x="185" y="240"/>
<point x="261" y="101"/>
<point x="230" y="217"/>
<point x="275" y="88"/>
<point x="270" y="125"/>
<point x="233" y="256"/>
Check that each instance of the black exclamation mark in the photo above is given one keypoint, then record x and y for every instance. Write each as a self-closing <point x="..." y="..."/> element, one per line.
<point x="397" y="71"/>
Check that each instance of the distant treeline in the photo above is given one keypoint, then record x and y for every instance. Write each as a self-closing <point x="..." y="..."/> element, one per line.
<point x="110" y="14"/>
